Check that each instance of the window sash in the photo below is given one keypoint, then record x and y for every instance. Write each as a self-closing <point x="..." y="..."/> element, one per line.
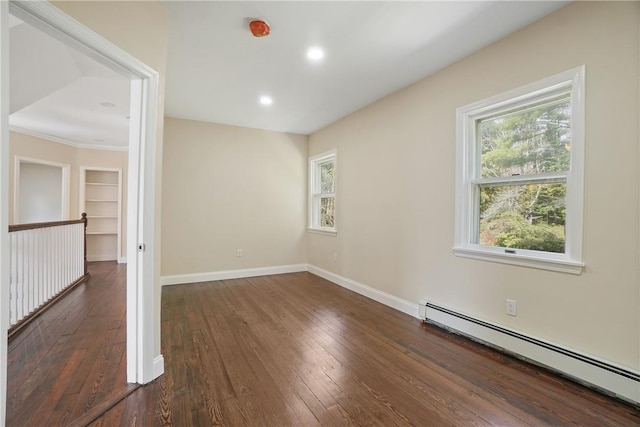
<point x="475" y="216"/>
<point x="549" y="177"/>
<point x="319" y="200"/>
<point x="469" y="179"/>
<point x="316" y="195"/>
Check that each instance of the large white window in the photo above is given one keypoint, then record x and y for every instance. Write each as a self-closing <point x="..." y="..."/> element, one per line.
<point x="519" y="183"/>
<point x="322" y="192"/>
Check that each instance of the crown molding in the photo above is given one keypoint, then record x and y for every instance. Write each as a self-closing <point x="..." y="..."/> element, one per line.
<point x="52" y="138"/>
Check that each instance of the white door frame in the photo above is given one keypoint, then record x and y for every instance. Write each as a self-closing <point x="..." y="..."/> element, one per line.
<point x="142" y="365"/>
<point x="66" y="173"/>
<point x="4" y="202"/>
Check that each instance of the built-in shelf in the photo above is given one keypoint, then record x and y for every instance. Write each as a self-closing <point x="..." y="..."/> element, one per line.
<point x="100" y="198"/>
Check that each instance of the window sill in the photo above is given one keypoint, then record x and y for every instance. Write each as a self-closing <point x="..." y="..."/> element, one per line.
<point x="321" y="231"/>
<point x="562" y="266"/>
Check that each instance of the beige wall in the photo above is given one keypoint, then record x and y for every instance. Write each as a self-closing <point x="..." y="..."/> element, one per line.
<point x="41" y="149"/>
<point x="228" y="188"/>
<point x="396" y="176"/>
<point x="140" y="28"/>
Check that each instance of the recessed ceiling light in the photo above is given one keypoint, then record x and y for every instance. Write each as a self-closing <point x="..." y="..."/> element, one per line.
<point x="107" y="104"/>
<point x="266" y="100"/>
<point x="315" y="53"/>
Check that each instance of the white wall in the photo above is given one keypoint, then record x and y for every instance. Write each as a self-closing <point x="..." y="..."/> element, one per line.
<point x="227" y="188"/>
<point x="396" y="176"/>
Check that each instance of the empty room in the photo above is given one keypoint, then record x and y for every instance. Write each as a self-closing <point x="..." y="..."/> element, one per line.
<point x="327" y="213"/>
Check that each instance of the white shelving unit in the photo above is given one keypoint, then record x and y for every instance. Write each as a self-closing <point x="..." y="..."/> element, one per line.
<point x="101" y="199"/>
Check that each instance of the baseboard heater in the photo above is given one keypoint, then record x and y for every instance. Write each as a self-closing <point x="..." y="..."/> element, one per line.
<point x="614" y="380"/>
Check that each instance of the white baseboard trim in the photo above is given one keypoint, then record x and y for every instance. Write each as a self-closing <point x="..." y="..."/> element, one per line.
<point x="180" y="279"/>
<point x="94" y="258"/>
<point x="158" y="366"/>
<point x="369" y="292"/>
<point x="611" y="378"/>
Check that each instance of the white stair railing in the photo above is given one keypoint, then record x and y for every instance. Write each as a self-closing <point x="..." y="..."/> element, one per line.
<point x="46" y="260"/>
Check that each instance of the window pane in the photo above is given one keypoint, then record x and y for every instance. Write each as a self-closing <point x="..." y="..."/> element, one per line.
<point x="530" y="216"/>
<point x="527" y="142"/>
<point x="327" y="177"/>
<point x="327" y="212"/>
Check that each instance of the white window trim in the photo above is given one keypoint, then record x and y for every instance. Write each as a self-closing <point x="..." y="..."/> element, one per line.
<point x="313" y="176"/>
<point x="571" y="260"/>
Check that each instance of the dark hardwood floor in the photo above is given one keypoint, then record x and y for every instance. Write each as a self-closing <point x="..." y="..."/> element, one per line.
<point x="296" y="350"/>
<point x="71" y="358"/>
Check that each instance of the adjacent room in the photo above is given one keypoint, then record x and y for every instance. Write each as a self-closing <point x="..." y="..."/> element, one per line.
<point x="328" y="213"/>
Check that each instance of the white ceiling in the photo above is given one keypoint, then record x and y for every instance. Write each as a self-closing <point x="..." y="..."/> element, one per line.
<point x="57" y="93"/>
<point x="217" y="70"/>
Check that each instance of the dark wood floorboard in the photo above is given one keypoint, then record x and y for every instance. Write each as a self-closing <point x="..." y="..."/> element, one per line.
<point x="72" y="357"/>
<point x="296" y="350"/>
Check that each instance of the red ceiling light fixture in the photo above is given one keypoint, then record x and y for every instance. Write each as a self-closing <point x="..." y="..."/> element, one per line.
<point x="259" y="28"/>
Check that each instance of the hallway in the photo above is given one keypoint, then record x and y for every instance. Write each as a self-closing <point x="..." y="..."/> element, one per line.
<point x="71" y="358"/>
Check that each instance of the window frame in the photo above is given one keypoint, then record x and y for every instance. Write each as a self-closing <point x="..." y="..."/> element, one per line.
<point x="315" y="194"/>
<point x="469" y="179"/>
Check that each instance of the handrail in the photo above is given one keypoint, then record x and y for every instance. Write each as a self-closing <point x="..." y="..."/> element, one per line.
<point x="31" y="226"/>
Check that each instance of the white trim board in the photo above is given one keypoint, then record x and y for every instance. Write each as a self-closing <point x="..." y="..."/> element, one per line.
<point x="180" y="279"/>
<point x="610" y="378"/>
<point x="4" y="200"/>
<point x="158" y="366"/>
<point x="369" y="292"/>
<point x="389" y="300"/>
<point x="99" y="258"/>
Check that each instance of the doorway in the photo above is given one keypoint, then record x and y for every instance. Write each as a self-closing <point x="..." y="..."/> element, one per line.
<point x="143" y="365"/>
<point x="41" y="192"/>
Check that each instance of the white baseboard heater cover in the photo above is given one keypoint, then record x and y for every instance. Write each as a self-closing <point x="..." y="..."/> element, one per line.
<point x="589" y="370"/>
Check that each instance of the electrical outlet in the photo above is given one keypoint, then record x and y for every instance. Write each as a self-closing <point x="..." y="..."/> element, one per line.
<point x="239" y="253"/>
<point x="335" y="257"/>
<point x="511" y="308"/>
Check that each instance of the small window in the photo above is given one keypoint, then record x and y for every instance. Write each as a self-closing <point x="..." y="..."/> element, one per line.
<point x="519" y="176"/>
<point x="322" y="192"/>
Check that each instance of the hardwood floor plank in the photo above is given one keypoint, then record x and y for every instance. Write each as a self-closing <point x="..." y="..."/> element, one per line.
<point x="381" y="344"/>
<point x="376" y="363"/>
<point x="42" y="412"/>
<point x="71" y="358"/>
<point x="395" y="417"/>
<point x="296" y="350"/>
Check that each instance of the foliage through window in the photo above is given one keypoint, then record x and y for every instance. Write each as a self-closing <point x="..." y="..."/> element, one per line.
<point x="519" y="191"/>
<point x="322" y="179"/>
<point x="525" y="144"/>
